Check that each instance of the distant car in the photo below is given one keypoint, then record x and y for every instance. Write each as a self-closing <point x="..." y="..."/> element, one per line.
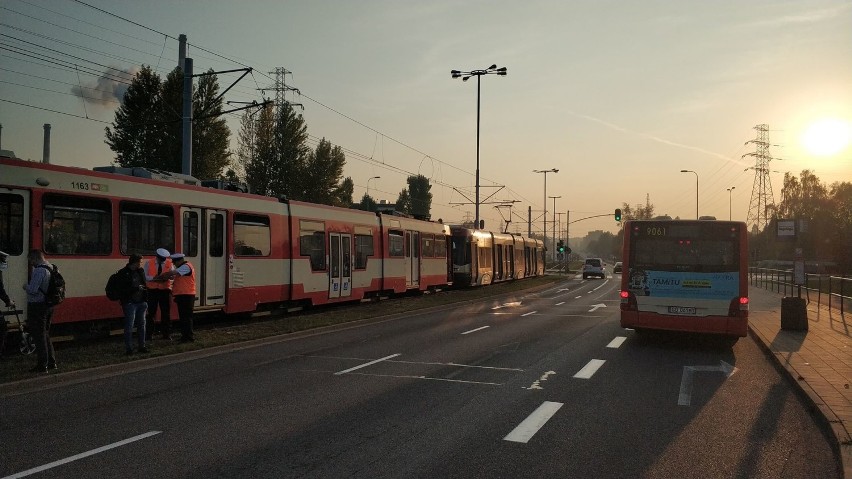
<point x="617" y="267"/>
<point x="594" y="267"/>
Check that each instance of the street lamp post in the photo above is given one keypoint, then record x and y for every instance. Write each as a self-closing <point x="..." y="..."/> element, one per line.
<point x="696" y="190"/>
<point x="555" y="232"/>
<point x="544" y="216"/>
<point x="492" y="70"/>
<point x="729" y="201"/>
<point x="368" y="183"/>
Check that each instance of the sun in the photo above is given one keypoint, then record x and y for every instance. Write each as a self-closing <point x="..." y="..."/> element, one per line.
<point x="827" y="136"/>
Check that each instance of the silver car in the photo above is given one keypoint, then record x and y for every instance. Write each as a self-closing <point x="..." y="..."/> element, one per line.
<point x="593" y="267"/>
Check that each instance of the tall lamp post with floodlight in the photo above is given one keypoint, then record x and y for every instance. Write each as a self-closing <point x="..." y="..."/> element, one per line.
<point x="729" y="201"/>
<point x="545" y="172"/>
<point x="492" y="70"/>
<point x="696" y="190"/>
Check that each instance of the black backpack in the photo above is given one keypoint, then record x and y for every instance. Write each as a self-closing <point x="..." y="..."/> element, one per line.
<point x="114" y="289"/>
<point x="55" y="293"/>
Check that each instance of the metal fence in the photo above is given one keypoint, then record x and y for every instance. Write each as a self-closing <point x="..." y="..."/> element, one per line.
<point x="834" y="291"/>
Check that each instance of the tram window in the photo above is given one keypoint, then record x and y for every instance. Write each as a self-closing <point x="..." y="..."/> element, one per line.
<point x="190" y="233"/>
<point x="363" y="250"/>
<point x="216" y="233"/>
<point x="251" y="235"/>
<point x="12" y="224"/>
<point x="312" y="243"/>
<point x="428" y="247"/>
<point x="396" y="244"/>
<point x="145" y="227"/>
<point x="440" y="246"/>
<point x="76" y="225"/>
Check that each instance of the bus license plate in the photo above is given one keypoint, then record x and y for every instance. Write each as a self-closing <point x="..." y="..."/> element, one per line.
<point x="681" y="310"/>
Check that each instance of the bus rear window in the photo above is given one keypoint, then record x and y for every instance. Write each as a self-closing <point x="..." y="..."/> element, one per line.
<point x="685" y="254"/>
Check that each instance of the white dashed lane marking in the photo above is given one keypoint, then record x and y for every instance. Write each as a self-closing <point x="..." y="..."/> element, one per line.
<point x="535" y="421"/>
<point x="589" y="369"/>
<point x="475" y="330"/>
<point x="618" y="341"/>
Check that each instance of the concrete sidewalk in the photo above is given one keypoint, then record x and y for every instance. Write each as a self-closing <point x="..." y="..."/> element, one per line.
<point x="819" y="360"/>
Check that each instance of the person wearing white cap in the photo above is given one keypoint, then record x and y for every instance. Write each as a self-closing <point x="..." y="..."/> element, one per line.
<point x="184" y="293"/>
<point x="5" y="297"/>
<point x="159" y="292"/>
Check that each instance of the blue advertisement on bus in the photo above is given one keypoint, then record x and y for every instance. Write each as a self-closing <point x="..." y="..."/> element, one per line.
<point x="673" y="284"/>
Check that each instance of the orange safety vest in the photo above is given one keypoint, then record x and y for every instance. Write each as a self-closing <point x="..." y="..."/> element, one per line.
<point x="152" y="272"/>
<point x="185" y="284"/>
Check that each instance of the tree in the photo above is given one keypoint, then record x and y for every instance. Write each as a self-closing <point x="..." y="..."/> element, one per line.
<point x="136" y="132"/>
<point x="148" y="128"/>
<point x="289" y="155"/>
<point x="210" y="132"/>
<point x="367" y="203"/>
<point x="323" y="173"/>
<point x="256" y="151"/>
<point x="403" y="201"/>
<point x="420" y="197"/>
<point x="343" y="193"/>
<point x="272" y="149"/>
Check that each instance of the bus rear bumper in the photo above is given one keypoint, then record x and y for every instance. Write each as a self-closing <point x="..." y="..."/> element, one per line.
<point x="724" y="325"/>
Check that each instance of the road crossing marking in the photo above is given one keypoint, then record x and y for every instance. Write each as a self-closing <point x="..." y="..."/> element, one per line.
<point x="475" y="330"/>
<point x="589" y="369"/>
<point x="82" y="455"/>
<point x="367" y="364"/>
<point x="535" y="421"/>
<point x="617" y="342"/>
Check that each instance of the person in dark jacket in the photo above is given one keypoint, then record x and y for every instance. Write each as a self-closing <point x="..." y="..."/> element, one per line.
<point x="134" y="302"/>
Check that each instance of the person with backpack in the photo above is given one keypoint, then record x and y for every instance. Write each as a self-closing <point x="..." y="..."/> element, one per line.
<point x="40" y="311"/>
<point x="134" y="302"/>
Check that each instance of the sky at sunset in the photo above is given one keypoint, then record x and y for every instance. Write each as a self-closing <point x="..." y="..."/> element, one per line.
<point x="620" y="96"/>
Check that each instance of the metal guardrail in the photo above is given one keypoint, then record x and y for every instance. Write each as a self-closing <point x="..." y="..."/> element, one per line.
<point x="836" y="289"/>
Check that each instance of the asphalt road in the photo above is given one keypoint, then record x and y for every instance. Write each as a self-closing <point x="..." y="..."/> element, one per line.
<point x="542" y="384"/>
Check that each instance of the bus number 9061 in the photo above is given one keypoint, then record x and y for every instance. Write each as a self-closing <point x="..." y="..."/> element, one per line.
<point x="655" y="231"/>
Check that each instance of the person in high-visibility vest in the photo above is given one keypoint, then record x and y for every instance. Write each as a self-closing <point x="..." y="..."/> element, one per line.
<point x="159" y="292"/>
<point x="183" y="291"/>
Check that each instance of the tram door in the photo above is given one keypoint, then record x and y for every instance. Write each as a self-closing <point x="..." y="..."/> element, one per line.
<point x="203" y="243"/>
<point x="340" y="284"/>
<point x="15" y="240"/>
<point x="412" y="258"/>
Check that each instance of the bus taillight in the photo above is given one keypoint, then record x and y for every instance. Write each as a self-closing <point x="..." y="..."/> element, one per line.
<point x="628" y="301"/>
<point x="738" y="306"/>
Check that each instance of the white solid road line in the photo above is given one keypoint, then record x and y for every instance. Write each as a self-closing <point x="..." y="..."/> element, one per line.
<point x="535" y="421"/>
<point x="560" y="304"/>
<point x="366" y="364"/>
<point x="590" y="369"/>
<point x="617" y="342"/>
<point x="475" y="330"/>
<point x="82" y="455"/>
<point x="527" y="314"/>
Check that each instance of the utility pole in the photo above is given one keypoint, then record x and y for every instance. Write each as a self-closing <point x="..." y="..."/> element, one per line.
<point x="762" y="198"/>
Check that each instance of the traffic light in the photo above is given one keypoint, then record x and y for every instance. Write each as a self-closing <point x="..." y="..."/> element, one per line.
<point x="618" y="214"/>
<point x="560" y="246"/>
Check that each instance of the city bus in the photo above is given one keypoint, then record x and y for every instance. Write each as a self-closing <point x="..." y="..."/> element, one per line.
<point x="685" y="275"/>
